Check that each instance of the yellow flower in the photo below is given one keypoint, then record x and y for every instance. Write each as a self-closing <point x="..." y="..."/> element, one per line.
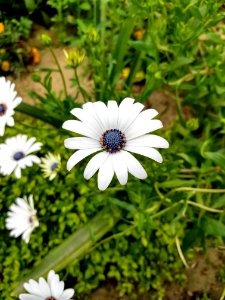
<point x="74" y="57"/>
<point x="138" y="34"/>
<point x="2" y="27"/>
<point x="35" y="54"/>
<point x="5" y="66"/>
<point x="125" y="73"/>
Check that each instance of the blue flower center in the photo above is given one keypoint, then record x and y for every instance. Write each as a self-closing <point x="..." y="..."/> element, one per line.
<point x="113" y="140"/>
<point x="54" y="166"/>
<point x="18" y="155"/>
<point x="3" y="109"/>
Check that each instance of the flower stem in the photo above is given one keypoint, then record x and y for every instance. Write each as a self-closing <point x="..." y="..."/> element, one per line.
<point x="79" y="85"/>
<point x="60" y="70"/>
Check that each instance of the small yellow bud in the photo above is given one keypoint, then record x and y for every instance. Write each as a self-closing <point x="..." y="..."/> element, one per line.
<point x="125" y="73"/>
<point x="75" y="57"/>
<point x="2" y="27"/>
<point x="5" y="66"/>
<point x="93" y="35"/>
<point x="46" y="40"/>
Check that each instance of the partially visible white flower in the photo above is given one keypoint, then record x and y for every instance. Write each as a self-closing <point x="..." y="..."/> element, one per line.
<point x="15" y="154"/>
<point x="114" y="131"/>
<point x="22" y="218"/>
<point x="52" y="289"/>
<point x="8" y="101"/>
<point x="50" y="165"/>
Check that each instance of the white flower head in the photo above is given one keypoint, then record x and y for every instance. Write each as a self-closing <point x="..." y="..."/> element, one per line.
<point x="52" y="289"/>
<point x="8" y="101"/>
<point x="114" y="131"/>
<point x="50" y="165"/>
<point x="15" y="154"/>
<point x="22" y="218"/>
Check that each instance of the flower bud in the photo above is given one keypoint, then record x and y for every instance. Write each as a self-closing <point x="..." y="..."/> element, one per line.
<point x="93" y="36"/>
<point x="46" y="40"/>
<point x="75" y="57"/>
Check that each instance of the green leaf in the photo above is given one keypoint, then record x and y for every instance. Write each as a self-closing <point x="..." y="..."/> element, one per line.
<point x="73" y="248"/>
<point x="213" y="227"/>
<point x="120" y="50"/>
<point x="217" y="157"/>
<point x="85" y="6"/>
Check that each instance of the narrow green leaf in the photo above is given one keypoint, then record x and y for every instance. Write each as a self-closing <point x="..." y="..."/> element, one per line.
<point x="73" y="248"/>
<point x="120" y="50"/>
<point x="39" y="114"/>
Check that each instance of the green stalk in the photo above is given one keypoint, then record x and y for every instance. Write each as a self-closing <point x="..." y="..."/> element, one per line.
<point x="82" y="91"/>
<point x="74" y="247"/>
<point x="60" y="71"/>
<point x="40" y="114"/>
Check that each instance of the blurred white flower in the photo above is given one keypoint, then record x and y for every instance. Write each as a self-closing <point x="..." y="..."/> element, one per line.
<point x="15" y="154"/>
<point x="52" y="289"/>
<point x="50" y="165"/>
<point x="22" y="218"/>
<point x="8" y="101"/>
<point x="115" y="131"/>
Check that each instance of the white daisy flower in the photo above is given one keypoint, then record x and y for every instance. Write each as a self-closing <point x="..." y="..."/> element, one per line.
<point x="22" y="218"/>
<point x="114" y="132"/>
<point x="52" y="289"/>
<point x="50" y="165"/>
<point x="15" y="154"/>
<point x="8" y="101"/>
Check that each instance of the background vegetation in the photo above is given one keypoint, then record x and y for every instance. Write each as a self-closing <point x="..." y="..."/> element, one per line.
<point x="175" y="46"/>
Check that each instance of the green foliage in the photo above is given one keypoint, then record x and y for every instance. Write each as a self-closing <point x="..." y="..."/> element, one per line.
<point x="13" y="50"/>
<point x="182" y="200"/>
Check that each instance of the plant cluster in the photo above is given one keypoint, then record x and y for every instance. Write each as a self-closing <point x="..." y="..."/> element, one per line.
<point x="138" y="235"/>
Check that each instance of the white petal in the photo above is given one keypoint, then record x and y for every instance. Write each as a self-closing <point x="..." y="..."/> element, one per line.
<point x="79" y="155"/>
<point x="148" y="140"/>
<point x="17" y="172"/>
<point x="10" y="122"/>
<point x="32" y="287"/>
<point x="67" y="294"/>
<point x="29" y="297"/>
<point x="94" y="164"/>
<point x="80" y="128"/>
<point x="105" y="174"/>
<point x="130" y="115"/>
<point x="57" y="287"/>
<point x="44" y="287"/>
<point x="124" y="110"/>
<point x="139" y="127"/>
<point x="102" y="113"/>
<point x="81" y="143"/>
<point x="149" y="152"/>
<point x="87" y="117"/>
<point x="120" y="167"/>
<point x="51" y="275"/>
<point x="113" y="114"/>
<point x="133" y="165"/>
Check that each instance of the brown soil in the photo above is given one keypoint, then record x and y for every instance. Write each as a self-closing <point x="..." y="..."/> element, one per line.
<point x="202" y="278"/>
